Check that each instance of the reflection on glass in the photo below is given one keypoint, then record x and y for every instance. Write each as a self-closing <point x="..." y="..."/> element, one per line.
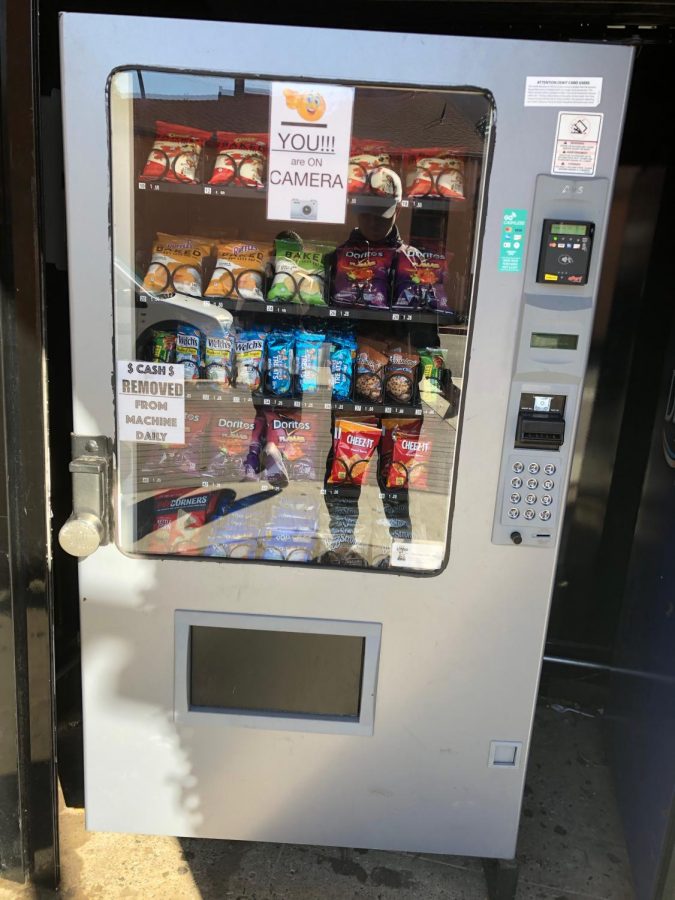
<point x="323" y="363"/>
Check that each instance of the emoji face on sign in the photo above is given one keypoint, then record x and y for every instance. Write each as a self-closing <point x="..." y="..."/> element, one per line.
<point x="309" y="105"/>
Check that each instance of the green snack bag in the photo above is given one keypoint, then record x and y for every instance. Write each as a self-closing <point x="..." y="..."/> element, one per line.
<point x="432" y="363"/>
<point x="300" y="272"/>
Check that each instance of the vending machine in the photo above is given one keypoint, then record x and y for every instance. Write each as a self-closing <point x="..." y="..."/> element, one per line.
<point x="331" y="298"/>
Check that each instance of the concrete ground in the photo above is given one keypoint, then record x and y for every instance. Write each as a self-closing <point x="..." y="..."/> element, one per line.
<point x="570" y="846"/>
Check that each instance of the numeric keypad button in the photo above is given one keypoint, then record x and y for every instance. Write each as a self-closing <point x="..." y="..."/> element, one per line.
<point x="549" y="468"/>
<point x="529" y="514"/>
<point x="546" y="500"/>
<point x="516" y="482"/>
<point x="515" y="497"/>
<point x="532" y="483"/>
<point x="517" y="467"/>
<point x="531" y="499"/>
<point x="548" y="485"/>
<point x="533" y="468"/>
<point x="545" y="515"/>
<point x="513" y="513"/>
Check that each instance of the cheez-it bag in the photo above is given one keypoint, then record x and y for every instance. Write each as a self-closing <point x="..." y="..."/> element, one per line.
<point x="354" y="445"/>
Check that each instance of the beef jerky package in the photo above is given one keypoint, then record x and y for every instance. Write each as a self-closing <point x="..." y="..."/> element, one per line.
<point x="362" y="275"/>
<point x="300" y="272"/>
<point x="291" y="448"/>
<point x="401" y="376"/>
<point x="235" y="529"/>
<point x="290" y="533"/>
<point x="432" y="364"/>
<point x="241" y="160"/>
<point x="421" y="278"/>
<point x="434" y="172"/>
<point x="175" y="153"/>
<point x="354" y="445"/>
<point x="370" y="367"/>
<point x="233" y="446"/>
<point x="219" y="357"/>
<point x="175" y="460"/>
<point x="240" y="270"/>
<point x="249" y="350"/>
<point x="178" y="522"/>
<point x="176" y="265"/>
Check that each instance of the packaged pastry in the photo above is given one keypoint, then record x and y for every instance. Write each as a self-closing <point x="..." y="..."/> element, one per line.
<point x="362" y="275"/>
<point x="371" y="369"/>
<point x="401" y="376"/>
<point x="434" y="172"/>
<point x="300" y="272"/>
<point x="241" y="159"/>
<point x="176" y="265"/>
<point x="175" y="154"/>
<point x="240" y="270"/>
<point x="354" y="445"/>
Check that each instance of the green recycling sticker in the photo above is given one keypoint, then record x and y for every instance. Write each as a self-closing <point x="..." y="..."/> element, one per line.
<point x="512" y="240"/>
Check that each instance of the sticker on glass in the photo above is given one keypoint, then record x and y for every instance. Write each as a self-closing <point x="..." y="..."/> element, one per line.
<point x="577" y="142"/>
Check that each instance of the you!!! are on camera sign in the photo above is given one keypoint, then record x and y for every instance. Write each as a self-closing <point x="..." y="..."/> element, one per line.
<point x="310" y="136"/>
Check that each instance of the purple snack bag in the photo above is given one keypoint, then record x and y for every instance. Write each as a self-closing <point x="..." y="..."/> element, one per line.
<point x="422" y="279"/>
<point x="362" y="275"/>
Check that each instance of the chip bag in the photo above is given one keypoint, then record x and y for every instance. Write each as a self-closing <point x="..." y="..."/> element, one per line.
<point x="176" y="265"/>
<point x="405" y="457"/>
<point x="219" y="358"/>
<point x="434" y="172"/>
<point x="291" y="446"/>
<point x="240" y="271"/>
<point x="371" y="364"/>
<point x="370" y="163"/>
<point x="354" y="444"/>
<point x="421" y="278"/>
<point x="280" y="346"/>
<point x="235" y="528"/>
<point x="290" y="533"/>
<point x="432" y="364"/>
<point x="170" y="460"/>
<point x="342" y="357"/>
<point x="249" y="350"/>
<point x="300" y="272"/>
<point x="308" y="345"/>
<point x="401" y="376"/>
<point x="241" y="159"/>
<point x="233" y="446"/>
<point x="175" y="153"/>
<point x="178" y="519"/>
<point x="189" y="350"/>
<point x="362" y="275"/>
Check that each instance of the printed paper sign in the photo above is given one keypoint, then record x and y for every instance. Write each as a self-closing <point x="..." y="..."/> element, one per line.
<point x="310" y="136"/>
<point x="577" y="143"/>
<point x="417" y="554"/>
<point x="551" y="90"/>
<point x="150" y="402"/>
<point x="512" y="240"/>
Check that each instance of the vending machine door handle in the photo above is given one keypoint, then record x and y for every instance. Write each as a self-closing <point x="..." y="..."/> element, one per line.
<point x="90" y="525"/>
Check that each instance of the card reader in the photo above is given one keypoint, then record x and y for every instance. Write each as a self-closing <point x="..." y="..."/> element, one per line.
<point x="565" y="254"/>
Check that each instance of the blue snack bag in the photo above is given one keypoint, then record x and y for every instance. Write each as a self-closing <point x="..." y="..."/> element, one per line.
<point x="308" y="355"/>
<point x="189" y="350"/>
<point x="342" y="358"/>
<point x="280" y="362"/>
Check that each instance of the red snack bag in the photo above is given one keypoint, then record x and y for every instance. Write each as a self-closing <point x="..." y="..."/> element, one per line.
<point x="175" y="153"/>
<point x="178" y="459"/>
<point x="291" y="446"/>
<point x="370" y="162"/>
<point x="404" y="455"/>
<point x="434" y="172"/>
<point x="241" y="159"/>
<point x="179" y="515"/>
<point x="354" y="444"/>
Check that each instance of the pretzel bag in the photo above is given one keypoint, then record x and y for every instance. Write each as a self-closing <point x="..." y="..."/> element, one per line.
<point x="175" y="153"/>
<point x="434" y="172"/>
<point x="241" y="159"/>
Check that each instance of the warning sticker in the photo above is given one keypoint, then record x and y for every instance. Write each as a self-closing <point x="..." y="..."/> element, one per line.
<point x="552" y="90"/>
<point x="577" y="142"/>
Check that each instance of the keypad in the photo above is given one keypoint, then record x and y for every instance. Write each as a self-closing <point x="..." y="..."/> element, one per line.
<point x="537" y="506"/>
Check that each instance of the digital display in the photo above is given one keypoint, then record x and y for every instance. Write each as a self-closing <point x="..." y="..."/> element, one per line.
<point x="568" y="228"/>
<point x="545" y="341"/>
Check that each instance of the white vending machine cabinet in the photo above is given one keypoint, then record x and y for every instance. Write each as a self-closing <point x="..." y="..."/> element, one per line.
<point x="331" y="300"/>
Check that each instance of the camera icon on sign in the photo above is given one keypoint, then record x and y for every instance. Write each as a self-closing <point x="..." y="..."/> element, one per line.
<point x="304" y="209"/>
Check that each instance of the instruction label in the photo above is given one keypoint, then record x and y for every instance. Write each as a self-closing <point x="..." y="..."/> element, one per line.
<point x="553" y="90"/>
<point x="310" y="137"/>
<point x="577" y="142"/>
<point x="514" y="223"/>
<point x="427" y="555"/>
<point x="150" y="402"/>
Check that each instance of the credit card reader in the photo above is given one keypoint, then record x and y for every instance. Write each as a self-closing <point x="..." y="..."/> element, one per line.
<point x="565" y="254"/>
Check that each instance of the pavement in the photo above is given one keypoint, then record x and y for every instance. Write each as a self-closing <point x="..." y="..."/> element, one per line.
<point x="570" y="846"/>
